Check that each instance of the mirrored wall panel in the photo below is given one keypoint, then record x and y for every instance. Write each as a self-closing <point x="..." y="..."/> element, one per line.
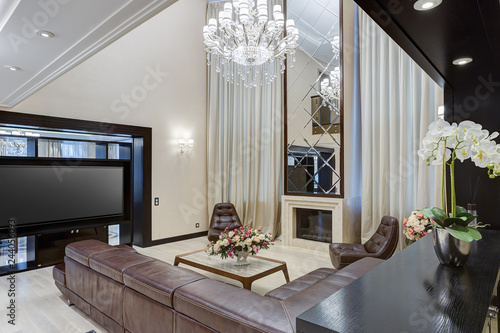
<point x="314" y="90"/>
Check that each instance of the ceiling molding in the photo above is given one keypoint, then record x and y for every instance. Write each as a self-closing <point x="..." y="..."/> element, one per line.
<point x="102" y="36"/>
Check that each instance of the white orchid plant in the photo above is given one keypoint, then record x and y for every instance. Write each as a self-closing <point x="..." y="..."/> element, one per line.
<point x="443" y="144"/>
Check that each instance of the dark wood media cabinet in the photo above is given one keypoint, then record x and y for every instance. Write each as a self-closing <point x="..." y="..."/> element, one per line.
<point x="47" y="248"/>
<point x="50" y="247"/>
<point x="413" y="292"/>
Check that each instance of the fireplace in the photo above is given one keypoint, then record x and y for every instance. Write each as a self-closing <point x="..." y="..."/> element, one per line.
<point x="293" y="236"/>
<point x="314" y="224"/>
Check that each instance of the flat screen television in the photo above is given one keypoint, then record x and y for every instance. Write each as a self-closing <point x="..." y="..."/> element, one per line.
<point x="34" y="194"/>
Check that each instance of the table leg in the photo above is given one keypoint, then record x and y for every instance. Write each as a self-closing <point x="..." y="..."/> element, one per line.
<point x="285" y="272"/>
<point x="247" y="284"/>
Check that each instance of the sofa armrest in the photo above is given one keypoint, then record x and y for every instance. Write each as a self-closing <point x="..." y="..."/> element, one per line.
<point x="125" y="247"/>
<point x="360" y="267"/>
<point x="303" y="282"/>
<point x="317" y="292"/>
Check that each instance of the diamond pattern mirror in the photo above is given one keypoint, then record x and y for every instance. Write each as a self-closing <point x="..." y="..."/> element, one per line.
<point x="313" y="109"/>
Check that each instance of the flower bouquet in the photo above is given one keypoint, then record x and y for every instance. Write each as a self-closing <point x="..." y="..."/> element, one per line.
<point x="416" y="226"/>
<point x="240" y="243"/>
<point x="443" y="144"/>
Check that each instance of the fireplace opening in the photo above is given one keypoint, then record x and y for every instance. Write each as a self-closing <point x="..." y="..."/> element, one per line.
<point x="314" y="224"/>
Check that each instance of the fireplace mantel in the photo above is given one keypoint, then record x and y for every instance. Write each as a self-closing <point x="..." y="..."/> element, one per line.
<point x="288" y="219"/>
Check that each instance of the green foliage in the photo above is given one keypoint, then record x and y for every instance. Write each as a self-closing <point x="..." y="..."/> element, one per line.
<point x="457" y="226"/>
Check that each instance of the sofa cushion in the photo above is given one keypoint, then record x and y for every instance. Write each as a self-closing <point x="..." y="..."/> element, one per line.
<point x="301" y="283"/>
<point x="102" y="292"/>
<point x="83" y="250"/>
<point x="142" y="314"/>
<point x="114" y="262"/>
<point x="227" y="308"/>
<point x="183" y="324"/>
<point x="158" y="280"/>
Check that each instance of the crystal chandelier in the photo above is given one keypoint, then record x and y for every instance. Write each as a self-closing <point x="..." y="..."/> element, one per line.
<point x="330" y="89"/>
<point x="249" y="45"/>
<point x="17" y="144"/>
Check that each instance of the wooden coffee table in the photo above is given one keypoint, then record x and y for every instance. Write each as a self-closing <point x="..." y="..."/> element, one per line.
<point x="258" y="267"/>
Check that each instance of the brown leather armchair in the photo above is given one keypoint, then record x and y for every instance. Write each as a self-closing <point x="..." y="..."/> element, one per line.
<point x="381" y="245"/>
<point x="224" y="216"/>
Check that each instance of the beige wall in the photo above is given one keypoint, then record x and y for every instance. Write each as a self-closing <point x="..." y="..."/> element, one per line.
<point x="155" y="76"/>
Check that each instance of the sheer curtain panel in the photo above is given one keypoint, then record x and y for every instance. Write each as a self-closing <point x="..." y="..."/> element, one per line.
<point x="398" y="102"/>
<point x="245" y="145"/>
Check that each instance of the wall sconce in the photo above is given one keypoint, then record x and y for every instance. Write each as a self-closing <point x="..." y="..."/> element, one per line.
<point x="186" y="147"/>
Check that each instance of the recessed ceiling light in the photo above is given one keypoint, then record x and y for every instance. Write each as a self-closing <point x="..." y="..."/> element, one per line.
<point x="462" y="61"/>
<point x="13" y="68"/>
<point x="426" y="4"/>
<point x="7" y="8"/>
<point x="44" y="33"/>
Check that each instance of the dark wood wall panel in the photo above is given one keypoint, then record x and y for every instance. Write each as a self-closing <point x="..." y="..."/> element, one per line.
<point x="434" y="38"/>
<point x="142" y="194"/>
<point x="472" y="183"/>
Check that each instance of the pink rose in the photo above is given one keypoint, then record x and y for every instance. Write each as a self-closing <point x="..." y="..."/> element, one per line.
<point x="230" y="254"/>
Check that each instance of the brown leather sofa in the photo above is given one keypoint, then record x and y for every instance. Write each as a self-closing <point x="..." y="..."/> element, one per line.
<point x="127" y="292"/>
<point x="224" y="216"/>
<point x="381" y="245"/>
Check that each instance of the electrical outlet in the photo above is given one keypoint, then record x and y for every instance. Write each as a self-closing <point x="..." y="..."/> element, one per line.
<point x="197" y="225"/>
<point x="157" y="201"/>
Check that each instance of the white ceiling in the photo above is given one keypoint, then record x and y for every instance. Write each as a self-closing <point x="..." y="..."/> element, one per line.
<point x="81" y="28"/>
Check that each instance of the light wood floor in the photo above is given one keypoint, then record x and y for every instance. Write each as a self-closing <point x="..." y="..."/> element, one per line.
<point x="40" y="306"/>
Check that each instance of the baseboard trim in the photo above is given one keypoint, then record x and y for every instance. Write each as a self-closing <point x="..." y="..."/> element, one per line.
<point x="178" y="238"/>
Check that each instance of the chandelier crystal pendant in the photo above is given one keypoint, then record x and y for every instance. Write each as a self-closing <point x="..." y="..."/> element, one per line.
<point x="330" y="90"/>
<point x="246" y="44"/>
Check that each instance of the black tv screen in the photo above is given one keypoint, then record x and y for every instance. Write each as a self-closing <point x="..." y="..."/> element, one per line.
<point x="41" y="194"/>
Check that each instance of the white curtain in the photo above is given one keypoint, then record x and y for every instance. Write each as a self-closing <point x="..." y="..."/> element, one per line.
<point x="75" y="149"/>
<point x="113" y="151"/>
<point x="66" y="149"/>
<point x="49" y="148"/>
<point x="398" y="102"/>
<point x="245" y="145"/>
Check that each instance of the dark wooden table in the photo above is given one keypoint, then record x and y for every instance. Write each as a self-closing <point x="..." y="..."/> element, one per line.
<point x="413" y="292"/>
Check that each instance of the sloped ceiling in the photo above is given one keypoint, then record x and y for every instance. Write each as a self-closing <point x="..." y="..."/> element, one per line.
<point x="80" y="28"/>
